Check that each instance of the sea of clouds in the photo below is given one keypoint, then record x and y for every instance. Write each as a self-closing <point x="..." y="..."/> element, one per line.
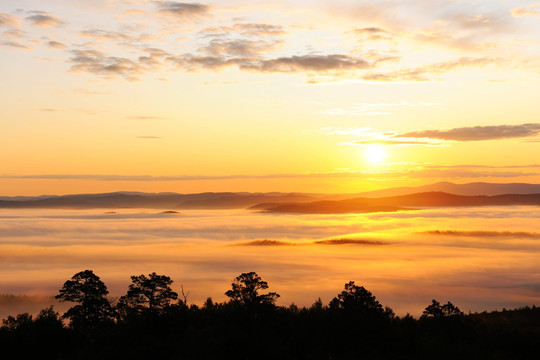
<point x="478" y="258"/>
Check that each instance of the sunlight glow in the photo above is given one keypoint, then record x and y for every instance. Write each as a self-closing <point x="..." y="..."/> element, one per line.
<point x="375" y="154"/>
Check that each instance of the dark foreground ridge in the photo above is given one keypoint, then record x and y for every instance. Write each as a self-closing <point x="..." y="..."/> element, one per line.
<point x="153" y="322"/>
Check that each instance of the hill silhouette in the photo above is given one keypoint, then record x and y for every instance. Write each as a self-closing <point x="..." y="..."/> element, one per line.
<point x="209" y="200"/>
<point x="395" y="203"/>
<point x="469" y="189"/>
<point x="393" y="199"/>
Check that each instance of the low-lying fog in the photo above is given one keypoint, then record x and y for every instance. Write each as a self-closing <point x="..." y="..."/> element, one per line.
<point x="478" y="258"/>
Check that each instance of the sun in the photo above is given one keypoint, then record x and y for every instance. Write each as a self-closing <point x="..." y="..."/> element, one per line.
<point x="375" y="154"/>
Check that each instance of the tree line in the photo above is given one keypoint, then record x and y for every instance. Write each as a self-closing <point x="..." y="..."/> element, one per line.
<point x="152" y="320"/>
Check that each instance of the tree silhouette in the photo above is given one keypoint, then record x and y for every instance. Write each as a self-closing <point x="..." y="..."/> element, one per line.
<point x="436" y="311"/>
<point x="358" y="299"/>
<point x="152" y="293"/>
<point x="86" y="289"/>
<point x="245" y="290"/>
<point x="433" y="311"/>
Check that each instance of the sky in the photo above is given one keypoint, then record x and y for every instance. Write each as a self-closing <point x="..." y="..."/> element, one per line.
<point x="320" y="96"/>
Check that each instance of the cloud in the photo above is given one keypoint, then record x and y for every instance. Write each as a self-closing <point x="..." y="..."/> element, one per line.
<point x="192" y="62"/>
<point x="15" y="33"/>
<point x="266" y="242"/>
<point x="397" y="171"/>
<point x="370" y="137"/>
<point x="9" y="20"/>
<point x="244" y="29"/>
<point x="373" y="34"/>
<point x="350" y="242"/>
<point x="525" y="11"/>
<point x="239" y="47"/>
<point x="370" y="30"/>
<point x="144" y="117"/>
<point x="149" y="137"/>
<point x="478" y="133"/>
<point x="114" y="177"/>
<point x="310" y="63"/>
<point x="56" y="45"/>
<point x="105" y="35"/>
<point x="14" y="45"/>
<point x="182" y="11"/>
<point x="425" y="73"/>
<point x="92" y="92"/>
<point x="374" y="108"/>
<point x="396" y="142"/>
<point x="95" y="62"/>
<point x="43" y="19"/>
<point x="98" y="63"/>
<point x="480" y="233"/>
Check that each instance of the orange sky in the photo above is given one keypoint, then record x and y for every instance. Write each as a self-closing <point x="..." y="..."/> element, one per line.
<point x="257" y="96"/>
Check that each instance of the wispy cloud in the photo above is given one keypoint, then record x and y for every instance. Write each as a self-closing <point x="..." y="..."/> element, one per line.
<point x="127" y="37"/>
<point x="367" y="136"/>
<point x="374" y="108"/>
<point x="145" y="117"/>
<point x="393" y="171"/>
<point x="92" y="92"/>
<point x="114" y="177"/>
<point x="9" y="20"/>
<point x="249" y="29"/>
<point x="98" y="63"/>
<point x="521" y="11"/>
<point x="239" y="47"/>
<point x="477" y="133"/>
<point x="429" y="72"/>
<point x="484" y="233"/>
<point x="43" y="19"/>
<point x="373" y="34"/>
<point x="182" y="11"/>
<point x="351" y="242"/>
<point x="14" y="33"/>
<point x="56" y="45"/>
<point x="310" y="63"/>
<point x="15" y="45"/>
<point x="394" y="142"/>
<point x="266" y="242"/>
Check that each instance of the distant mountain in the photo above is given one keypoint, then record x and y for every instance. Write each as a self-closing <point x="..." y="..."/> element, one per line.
<point x="394" y="203"/>
<point x="290" y="201"/>
<point x="225" y="200"/>
<point x="477" y="188"/>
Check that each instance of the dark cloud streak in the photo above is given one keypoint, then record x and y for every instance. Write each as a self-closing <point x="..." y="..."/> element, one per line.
<point x="43" y="19"/>
<point x="182" y="10"/>
<point x="482" y="233"/>
<point x="312" y="63"/>
<point x="478" y="133"/>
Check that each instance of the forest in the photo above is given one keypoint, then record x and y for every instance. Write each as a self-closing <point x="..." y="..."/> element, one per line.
<point x="151" y="321"/>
